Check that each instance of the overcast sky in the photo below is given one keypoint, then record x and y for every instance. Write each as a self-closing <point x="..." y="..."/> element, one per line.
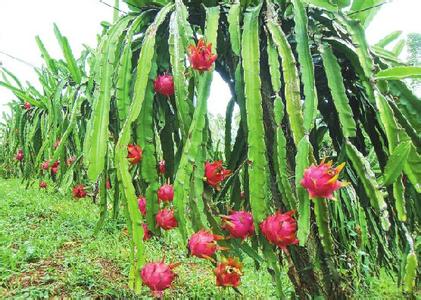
<point x="79" y="20"/>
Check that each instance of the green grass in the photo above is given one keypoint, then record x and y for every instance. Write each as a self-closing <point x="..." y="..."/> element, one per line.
<point x="47" y="249"/>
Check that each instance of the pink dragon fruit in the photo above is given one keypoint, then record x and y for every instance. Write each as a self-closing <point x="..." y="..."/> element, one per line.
<point x="280" y="229"/>
<point x="141" y="203"/>
<point x="158" y="276"/>
<point x="164" y="85"/>
<point x="45" y="165"/>
<point x="322" y="180"/>
<point x="162" y="167"/>
<point x="166" y="193"/>
<point x="165" y="219"/>
<point x="239" y="224"/>
<point x="203" y="244"/>
<point x="19" y="156"/>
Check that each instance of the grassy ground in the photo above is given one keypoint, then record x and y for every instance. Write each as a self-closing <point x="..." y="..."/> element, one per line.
<point x="47" y="249"/>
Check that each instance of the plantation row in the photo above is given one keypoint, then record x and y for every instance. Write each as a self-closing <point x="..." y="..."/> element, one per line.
<point x="127" y="124"/>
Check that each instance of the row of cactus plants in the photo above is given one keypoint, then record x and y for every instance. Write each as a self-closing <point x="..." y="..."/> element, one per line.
<point x="130" y="120"/>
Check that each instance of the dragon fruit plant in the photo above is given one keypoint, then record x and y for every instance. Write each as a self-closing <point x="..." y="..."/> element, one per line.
<point x="306" y="84"/>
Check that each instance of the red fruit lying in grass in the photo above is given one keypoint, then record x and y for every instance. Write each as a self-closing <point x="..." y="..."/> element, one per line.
<point x="164" y="85"/>
<point x="203" y="244"/>
<point x="158" y="276"/>
<point x="166" y="193"/>
<point x="79" y="191"/>
<point x="134" y="154"/>
<point x="147" y="234"/>
<point x="280" y="229"/>
<point x="322" y="180"/>
<point x="27" y="105"/>
<point x="201" y="57"/>
<point x="239" y="224"/>
<point x="19" y="155"/>
<point x="42" y="185"/>
<point x="141" y="203"/>
<point x="162" y="167"/>
<point x="228" y="273"/>
<point x="215" y="173"/>
<point x="165" y="219"/>
<point x="54" y="167"/>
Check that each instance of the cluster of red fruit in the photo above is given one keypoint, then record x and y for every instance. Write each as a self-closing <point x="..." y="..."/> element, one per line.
<point x="45" y="166"/>
<point x="279" y="229"/>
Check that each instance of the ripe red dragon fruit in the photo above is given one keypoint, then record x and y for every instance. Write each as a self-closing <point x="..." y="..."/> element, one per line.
<point x="141" y="203"/>
<point x="201" y="57"/>
<point x="70" y="160"/>
<point x="215" y="173"/>
<point x="54" y="167"/>
<point x="165" y="219"/>
<point x="134" y="154"/>
<point x="280" y="229"/>
<point x="27" y="105"/>
<point x="228" y="272"/>
<point x="42" y="185"/>
<point x="108" y="185"/>
<point x="203" y="244"/>
<point x="45" y="165"/>
<point x="239" y="224"/>
<point x="322" y="180"/>
<point x="158" y="276"/>
<point x="19" y="155"/>
<point x="166" y="193"/>
<point x="162" y="167"/>
<point x="79" y="191"/>
<point x="147" y="234"/>
<point x="164" y="85"/>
